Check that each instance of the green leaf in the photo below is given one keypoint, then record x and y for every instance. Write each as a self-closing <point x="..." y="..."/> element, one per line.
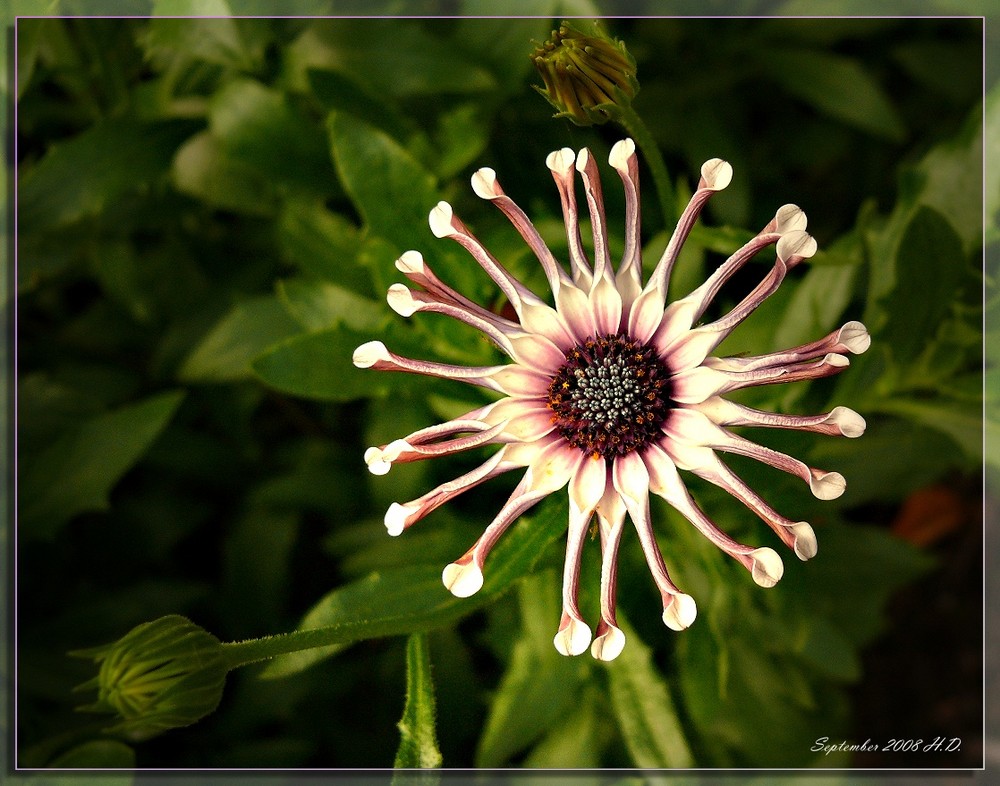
<point x="827" y="650"/>
<point x="204" y="169"/>
<point x="462" y="136"/>
<point x="644" y="708"/>
<point x="322" y="244"/>
<point x="247" y="329"/>
<point x="318" y="366"/>
<point x="80" y="177"/>
<point x="573" y="740"/>
<point x="950" y="177"/>
<point x="316" y="305"/>
<point x="539" y="687"/>
<point x="418" y="748"/>
<point x="961" y="420"/>
<point x="221" y="40"/>
<point x="818" y="301"/>
<point x="412" y="598"/>
<point x="29" y="35"/>
<point x="394" y="57"/>
<point x="991" y="152"/>
<point x="340" y="93"/>
<point x="536" y="691"/>
<point x="930" y="267"/>
<point x="258" y="127"/>
<point x="77" y="472"/>
<point x="98" y="755"/>
<point x="390" y="189"/>
<point x="837" y="86"/>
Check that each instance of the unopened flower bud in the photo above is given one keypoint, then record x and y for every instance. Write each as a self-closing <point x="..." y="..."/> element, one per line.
<point x="161" y="675"/>
<point x="587" y="75"/>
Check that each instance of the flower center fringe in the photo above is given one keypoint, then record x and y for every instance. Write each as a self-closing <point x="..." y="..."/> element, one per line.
<point x="611" y="396"/>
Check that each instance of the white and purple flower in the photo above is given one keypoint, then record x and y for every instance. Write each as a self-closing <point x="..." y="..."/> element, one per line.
<point x="611" y="390"/>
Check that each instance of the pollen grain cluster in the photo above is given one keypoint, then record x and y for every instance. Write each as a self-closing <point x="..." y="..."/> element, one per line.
<point x="610" y="397"/>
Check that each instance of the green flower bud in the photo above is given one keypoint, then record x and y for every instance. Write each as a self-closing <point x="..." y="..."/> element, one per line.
<point x="161" y="675"/>
<point x="587" y="76"/>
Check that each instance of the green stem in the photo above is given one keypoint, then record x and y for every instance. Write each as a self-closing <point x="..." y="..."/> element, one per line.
<point x="243" y="653"/>
<point x="637" y="129"/>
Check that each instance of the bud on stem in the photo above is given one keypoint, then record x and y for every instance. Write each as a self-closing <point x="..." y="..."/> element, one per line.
<point x="161" y="675"/>
<point x="588" y="77"/>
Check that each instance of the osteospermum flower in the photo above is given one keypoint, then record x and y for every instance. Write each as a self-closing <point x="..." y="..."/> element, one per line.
<point x="611" y="391"/>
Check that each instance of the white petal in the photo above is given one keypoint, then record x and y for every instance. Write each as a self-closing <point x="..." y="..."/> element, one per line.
<point x="484" y="183"/>
<point x="789" y="218"/>
<point x="850" y="423"/>
<point x="462" y="580"/>
<point x="854" y="336"/>
<point x="370" y="353"/>
<point x="410" y="262"/>
<point x="560" y="160"/>
<point x="621" y="152"/>
<point x="588" y="484"/>
<point x="796" y="244"/>
<point x="440" y="220"/>
<point x="544" y="320"/>
<point x="552" y="469"/>
<point x="395" y="517"/>
<point x="574" y="638"/>
<point x="717" y="174"/>
<point x="606" y="306"/>
<point x="538" y="353"/>
<point x="377" y="464"/>
<point x="767" y="567"/>
<point x="574" y="307"/>
<point x="521" y="381"/>
<point x="401" y="300"/>
<point x="645" y="315"/>
<point x="826" y="485"/>
<point x="608" y="645"/>
<point x="806" y="545"/>
<point x="680" y="613"/>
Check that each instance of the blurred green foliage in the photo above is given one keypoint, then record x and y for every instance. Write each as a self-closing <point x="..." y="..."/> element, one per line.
<point x="208" y="212"/>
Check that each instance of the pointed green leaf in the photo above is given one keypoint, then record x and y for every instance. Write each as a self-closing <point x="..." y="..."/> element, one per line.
<point x="412" y="598"/>
<point x="818" y="301"/>
<point x="100" y="754"/>
<point x="930" y="266"/>
<point x="537" y="690"/>
<point x="316" y="305"/>
<point x="258" y="127"/>
<point x="392" y="56"/>
<point x="205" y="170"/>
<point x="203" y="29"/>
<point x="226" y="352"/>
<point x="837" y="86"/>
<point x="645" y="710"/>
<point x="79" y="177"/>
<point x="539" y="687"/>
<point x="322" y="244"/>
<point x="390" y="189"/>
<point x="574" y="740"/>
<point x="961" y="420"/>
<point x="319" y="366"/>
<point x="418" y="748"/>
<point x="77" y="472"/>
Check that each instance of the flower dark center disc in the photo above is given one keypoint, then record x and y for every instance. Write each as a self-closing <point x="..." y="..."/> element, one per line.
<point x="610" y="397"/>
